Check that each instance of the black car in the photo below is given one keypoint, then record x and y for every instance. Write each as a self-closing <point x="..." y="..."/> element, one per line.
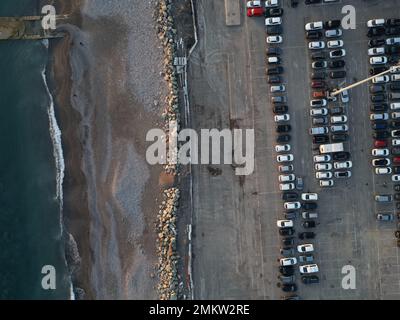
<point x="375" y="70"/>
<point x="290" y="215"/>
<point x="393" y="22"/>
<point x="274" y="12"/>
<point x="378" y="97"/>
<point x="309" y="224"/>
<point x="394" y="59"/>
<point x="319" y="64"/>
<point x="320" y="139"/>
<point x="290" y="196"/>
<point x="397" y="234"/>
<point x="396" y="152"/>
<point x="337" y="74"/>
<point x="274" y="51"/>
<point x="381" y="163"/>
<point x="393" y="31"/>
<point x="286" y="270"/>
<point x="274" y="30"/>
<point x="341" y="156"/>
<point x="274" y="79"/>
<point x="375" y="32"/>
<point x="283" y="128"/>
<point x="318" y="55"/>
<point x="283" y="138"/>
<point x="332" y="24"/>
<point x="287" y="242"/>
<point x="306" y="235"/>
<point x="294" y="3"/>
<point x="289" y="287"/>
<point x="310" y="279"/>
<point x="318" y="75"/>
<point x="380" y="135"/>
<point x="340" y="137"/>
<point x="313" y="35"/>
<point x="396" y="170"/>
<point x="376" y="88"/>
<point x="397" y="188"/>
<point x="395" y="86"/>
<point x="392" y="50"/>
<point x="286" y="231"/>
<point x="275" y="70"/>
<point x="343" y="174"/>
<point x="280" y="109"/>
<point x="379" y="107"/>
<point x="395" y="124"/>
<point x="337" y="64"/>
<point x="398" y="205"/>
<point x="312" y="1"/>
<point x="287" y="251"/>
<point x="309" y="206"/>
<point x="336" y="111"/>
<point x="376" y="43"/>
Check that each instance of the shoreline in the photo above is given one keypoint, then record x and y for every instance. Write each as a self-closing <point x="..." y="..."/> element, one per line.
<point x="115" y="236"/>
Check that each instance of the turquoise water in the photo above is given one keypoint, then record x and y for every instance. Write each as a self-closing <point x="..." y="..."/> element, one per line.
<point x="30" y="228"/>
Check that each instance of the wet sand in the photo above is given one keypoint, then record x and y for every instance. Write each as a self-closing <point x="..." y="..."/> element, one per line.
<point x="115" y="95"/>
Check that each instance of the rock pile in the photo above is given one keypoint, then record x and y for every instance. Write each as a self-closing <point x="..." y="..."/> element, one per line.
<point x="166" y="218"/>
<point x="166" y="245"/>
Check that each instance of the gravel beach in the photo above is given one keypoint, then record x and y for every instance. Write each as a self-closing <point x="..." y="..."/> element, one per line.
<point x="115" y="95"/>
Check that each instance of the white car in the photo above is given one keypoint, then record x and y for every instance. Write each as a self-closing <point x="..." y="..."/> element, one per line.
<point x="254" y="4"/>
<point x="318" y="112"/>
<point x="376" y="51"/>
<point x="274" y="39"/>
<point x="326" y="183"/>
<point x="323" y="175"/>
<point x="287" y="178"/>
<point x="309" y="196"/>
<point x="288" y="261"/>
<point x="282" y="117"/>
<point x="378" y="60"/>
<point x="395" y="105"/>
<point x="319" y="64"/>
<point x="383" y="170"/>
<point x="396" y="177"/>
<point x="396" y="142"/>
<point x="282" y="148"/>
<point x="380" y="152"/>
<point x="316" y="45"/>
<point x="323" y="166"/>
<point x="395" y="115"/>
<point x="284" y="223"/>
<point x="343" y="165"/>
<point x="322" y="158"/>
<point x="314" y="26"/>
<point x="317" y="103"/>
<point x="333" y="33"/>
<point x="280" y="88"/>
<point x="378" y="162"/>
<point x="285" y="158"/>
<point x="308" y="247"/>
<point x="376" y="23"/>
<point x="273" y="21"/>
<point x="333" y="54"/>
<point x="333" y="44"/>
<point x="339" y="119"/>
<point x="395" y="77"/>
<point x="340" y="128"/>
<point x="292" y="205"/>
<point x="379" y="116"/>
<point x="271" y="3"/>
<point x="273" y="60"/>
<point x="392" y="41"/>
<point x="381" y="79"/>
<point x="344" y="96"/>
<point x="309" y="268"/>
<point x="286" y="186"/>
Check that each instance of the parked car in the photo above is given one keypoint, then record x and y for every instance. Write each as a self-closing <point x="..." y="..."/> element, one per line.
<point x="285" y="158"/>
<point x="310" y="268"/>
<point x="384" y="217"/>
<point x="290" y="196"/>
<point x="336" y="111"/>
<point x="316" y="45"/>
<point x="376" y="88"/>
<point x="274" y="39"/>
<point x="310" y="205"/>
<point x="381" y="162"/>
<point x="380" y="152"/>
<point x="310" y="279"/>
<point x="320" y="139"/>
<point x="376" y="23"/>
<point x="380" y="135"/>
<point x="341" y="156"/>
<point x="340" y="128"/>
<point x="274" y="79"/>
<point x="314" y="26"/>
<point x="309" y="196"/>
<point x="376" y="51"/>
<point x="274" y="12"/>
<point x="282" y="148"/>
<point x="273" y="51"/>
<point x="309" y="215"/>
<point x="340" y="137"/>
<point x="375" y="32"/>
<point x="275" y="70"/>
<point x="378" y="60"/>
<point x="282" y="138"/>
<point x="343" y="165"/>
<point x="285" y="168"/>
<point x="280" y="109"/>
<point x="289" y="287"/>
<point x="278" y="99"/>
<point x="306" y="235"/>
<point x="379" y="107"/>
<point x="333" y="33"/>
<point x="255" y="12"/>
<point x="326" y="183"/>
<point x="333" y="44"/>
<point x="335" y="64"/>
<point x="381" y="79"/>
<point x="322" y="158"/>
<point x="332" y="24"/>
<point x="313" y="35"/>
<point x="385" y="170"/>
<point x="306" y="258"/>
<point x="316" y="103"/>
<point x="376" y="43"/>
<point x="286" y="270"/>
<point x="283" y="128"/>
<point x="273" y="21"/>
<point x="323" y="175"/>
<point x="383" y="198"/>
<point x="342" y="174"/>
<point x="303" y="248"/>
<point x="286" y="231"/>
<point x="337" y="74"/>
<point x="319" y="64"/>
<point x="337" y="53"/>
<point x="323" y="166"/>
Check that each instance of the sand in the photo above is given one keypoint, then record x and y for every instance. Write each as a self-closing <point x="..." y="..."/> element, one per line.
<point x="113" y="60"/>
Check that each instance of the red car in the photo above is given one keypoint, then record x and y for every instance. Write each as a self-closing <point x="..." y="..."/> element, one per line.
<point x="396" y="159"/>
<point x="380" y="144"/>
<point x="318" y="94"/>
<point x="318" y="84"/>
<point x="255" y="12"/>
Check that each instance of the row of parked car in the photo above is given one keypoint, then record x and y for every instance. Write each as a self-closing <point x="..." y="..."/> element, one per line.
<point x="326" y="119"/>
<point x="301" y="254"/>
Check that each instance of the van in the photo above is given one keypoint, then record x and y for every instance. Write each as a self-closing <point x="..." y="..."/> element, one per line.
<point x="309" y="215"/>
<point x="319" y="130"/>
<point x="394" y="96"/>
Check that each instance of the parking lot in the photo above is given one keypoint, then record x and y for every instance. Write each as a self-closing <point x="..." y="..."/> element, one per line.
<point x="235" y="238"/>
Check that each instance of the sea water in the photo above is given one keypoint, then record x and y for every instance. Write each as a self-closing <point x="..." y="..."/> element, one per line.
<point x="31" y="170"/>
